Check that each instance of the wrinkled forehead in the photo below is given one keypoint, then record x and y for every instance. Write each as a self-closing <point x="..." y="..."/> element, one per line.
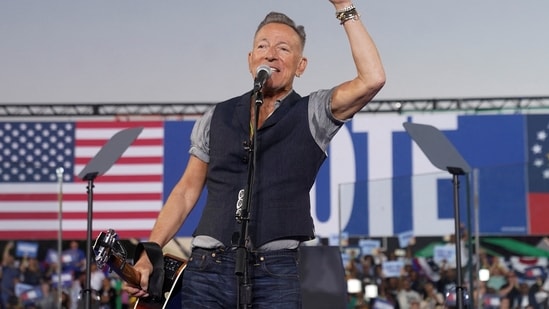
<point x="280" y="31"/>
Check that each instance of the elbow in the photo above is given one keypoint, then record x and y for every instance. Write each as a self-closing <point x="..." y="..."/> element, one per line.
<point x="376" y="86"/>
<point x="378" y="81"/>
<point x="372" y="86"/>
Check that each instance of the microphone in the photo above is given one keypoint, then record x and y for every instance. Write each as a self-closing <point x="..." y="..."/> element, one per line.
<point x="262" y="74"/>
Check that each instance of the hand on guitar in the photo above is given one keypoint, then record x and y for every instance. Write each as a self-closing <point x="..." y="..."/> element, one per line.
<point x="110" y="253"/>
<point x="144" y="267"/>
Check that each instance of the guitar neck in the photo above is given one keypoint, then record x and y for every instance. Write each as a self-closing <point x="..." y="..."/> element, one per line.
<point x="124" y="270"/>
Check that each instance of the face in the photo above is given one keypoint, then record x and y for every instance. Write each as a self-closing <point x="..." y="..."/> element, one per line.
<point x="278" y="46"/>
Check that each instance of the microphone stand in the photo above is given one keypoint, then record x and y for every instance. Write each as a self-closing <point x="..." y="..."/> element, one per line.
<point x="244" y="293"/>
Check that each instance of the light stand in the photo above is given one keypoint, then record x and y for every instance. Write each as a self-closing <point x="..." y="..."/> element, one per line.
<point x="59" y="172"/>
<point x="456" y="172"/>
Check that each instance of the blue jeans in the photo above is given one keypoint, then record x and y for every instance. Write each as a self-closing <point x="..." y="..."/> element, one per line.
<point x="209" y="280"/>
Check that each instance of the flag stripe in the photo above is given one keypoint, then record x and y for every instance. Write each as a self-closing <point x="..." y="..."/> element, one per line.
<point x="133" y="151"/>
<point x="78" y="215"/>
<point x="538" y="208"/>
<point x="79" y="206"/>
<point x="118" y="124"/>
<point x="129" y="178"/>
<point x="75" y="234"/>
<point x="79" y="197"/>
<point x="126" y="169"/>
<point x="101" y="142"/>
<point x="129" y="160"/>
<point x="79" y="188"/>
<point x="77" y="224"/>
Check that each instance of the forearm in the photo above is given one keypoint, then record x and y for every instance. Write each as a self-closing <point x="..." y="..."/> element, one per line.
<point x="169" y="220"/>
<point x="180" y="202"/>
<point x="351" y="96"/>
<point x="370" y="72"/>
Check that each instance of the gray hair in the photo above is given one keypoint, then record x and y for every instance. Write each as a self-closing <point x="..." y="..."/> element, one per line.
<point x="276" y="17"/>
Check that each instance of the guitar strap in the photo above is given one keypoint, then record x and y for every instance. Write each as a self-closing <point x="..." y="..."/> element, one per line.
<point x="156" y="256"/>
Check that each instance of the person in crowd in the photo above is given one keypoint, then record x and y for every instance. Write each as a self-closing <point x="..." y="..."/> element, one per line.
<point x="448" y="277"/>
<point x="416" y="282"/>
<point x="31" y="273"/>
<point x="74" y="258"/>
<point x="406" y="296"/>
<point x="285" y="141"/>
<point x="505" y="303"/>
<point x="366" y="271"/>
<point x="432" y="299"/>
<point x="76" y="296"/>
<point x="10" y="274"/>
<point x="524" y="299"/>
<point x="49" y="297"/>
<point x="107" y="294"/>
<point x="511" y="290"/>
<point x="498" y="272"/>
<point x="386" y="297"/>
<point x="537" y="294"/>
<point x="352" y="269"/>
<point x="96" y="277"/>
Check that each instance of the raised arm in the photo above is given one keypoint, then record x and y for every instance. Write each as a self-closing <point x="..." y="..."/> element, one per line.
<point x="351" y="96"/>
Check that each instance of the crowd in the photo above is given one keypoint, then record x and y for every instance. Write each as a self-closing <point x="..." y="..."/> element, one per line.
<point x="426" y="284"/>
<point x="28" y="282"/>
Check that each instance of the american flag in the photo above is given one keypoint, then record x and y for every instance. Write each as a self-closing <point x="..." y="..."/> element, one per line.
<point x="538" y="173"/>
<point x="126" y="198"/>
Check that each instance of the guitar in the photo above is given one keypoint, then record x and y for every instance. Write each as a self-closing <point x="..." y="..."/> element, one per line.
<point x="109" y="252"/>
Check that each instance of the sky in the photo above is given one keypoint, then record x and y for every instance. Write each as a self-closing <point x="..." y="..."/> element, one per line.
<point x="137" y="51"/>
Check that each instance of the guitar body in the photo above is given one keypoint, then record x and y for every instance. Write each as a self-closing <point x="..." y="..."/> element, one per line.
<point x="109" y="252"/>
<point x="173" y="269"/>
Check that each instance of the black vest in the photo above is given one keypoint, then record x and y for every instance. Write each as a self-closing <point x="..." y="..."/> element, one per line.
<point x="287" y="163"/>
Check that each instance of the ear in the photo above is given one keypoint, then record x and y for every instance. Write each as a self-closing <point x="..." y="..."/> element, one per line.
<point x="250" y="63"/>
<point x="301" y="66"/>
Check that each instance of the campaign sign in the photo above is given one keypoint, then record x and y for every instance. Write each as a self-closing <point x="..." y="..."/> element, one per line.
<point x="392" y="268"/>
<point x="382" y="304"/>
<point x="29" y="295"/>
<point x="339" y="239"/>
<point x="491" y="301"/>
<point x="404" y="238"/>
<point x="444" y="254"/>
<point x="20" y="288"/>
<point x="66" y="280"/>
<point x="368" y="246"/>
<point x="26" y="249"/>
<point x="51" y="257"/>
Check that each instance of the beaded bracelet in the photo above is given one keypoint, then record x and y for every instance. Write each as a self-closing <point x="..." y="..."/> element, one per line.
<point x="347" y="14"/>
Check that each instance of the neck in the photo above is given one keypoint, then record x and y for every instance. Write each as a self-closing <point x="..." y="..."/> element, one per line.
<point x="268" y="106"/>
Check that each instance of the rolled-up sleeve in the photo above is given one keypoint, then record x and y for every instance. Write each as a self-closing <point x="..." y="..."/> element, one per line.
<point x="322" y="123"/>
<point x="200" y="137"/>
